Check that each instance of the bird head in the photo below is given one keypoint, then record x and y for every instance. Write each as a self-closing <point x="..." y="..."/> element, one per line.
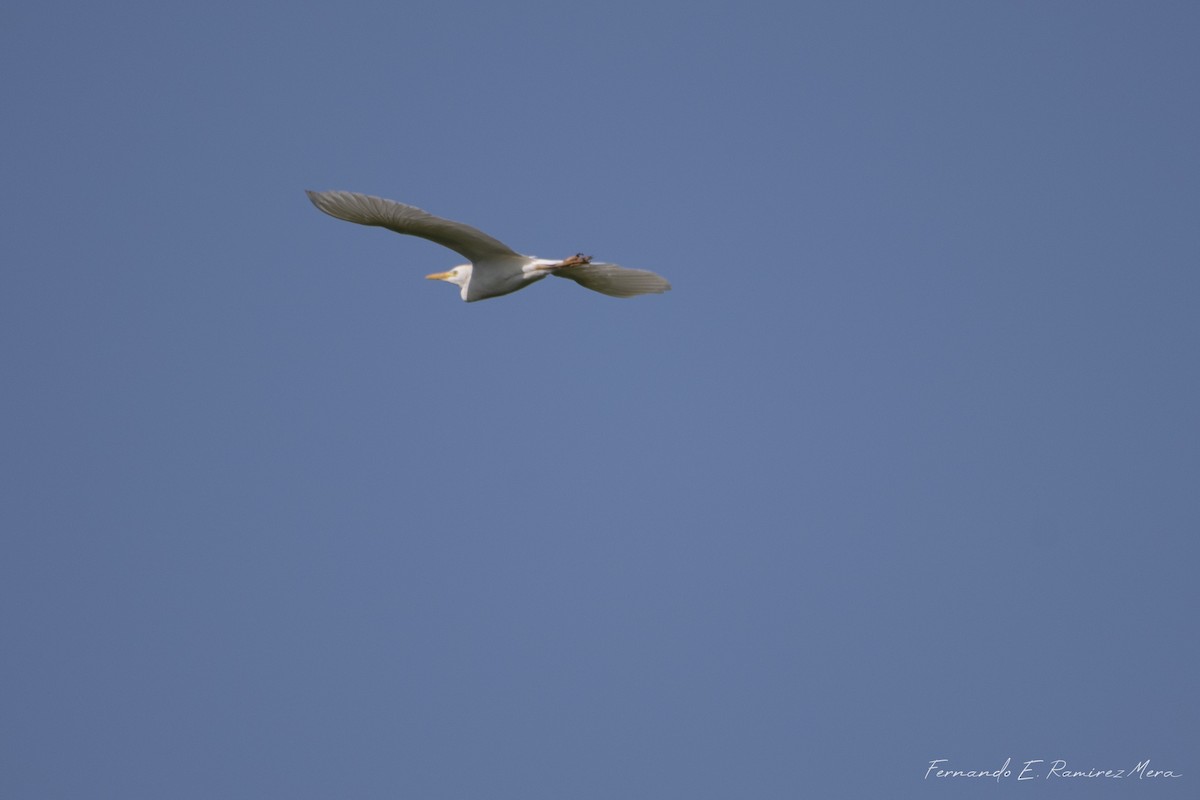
<point x="460" y="275"/>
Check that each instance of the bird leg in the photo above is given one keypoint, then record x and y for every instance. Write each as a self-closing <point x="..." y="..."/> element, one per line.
<point x="577" y="260"/>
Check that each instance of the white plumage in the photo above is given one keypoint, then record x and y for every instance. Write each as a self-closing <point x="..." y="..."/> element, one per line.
<point x="495" y="268"/>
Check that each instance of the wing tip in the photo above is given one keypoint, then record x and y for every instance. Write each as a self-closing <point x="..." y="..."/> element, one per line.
<point x="350" y="206"/>
<point x="321" y="200"/>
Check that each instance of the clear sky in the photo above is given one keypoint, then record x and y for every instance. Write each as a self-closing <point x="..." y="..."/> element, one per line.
<point x="905" y="468"/>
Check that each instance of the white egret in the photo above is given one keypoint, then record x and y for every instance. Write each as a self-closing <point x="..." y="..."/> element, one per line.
<point x="495" y="268"/>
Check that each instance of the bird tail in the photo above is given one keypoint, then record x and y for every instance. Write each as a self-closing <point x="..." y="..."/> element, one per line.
<point x="614" y="281"/>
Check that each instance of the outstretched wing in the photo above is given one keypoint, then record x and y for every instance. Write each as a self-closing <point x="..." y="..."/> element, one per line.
<point x="473" y="244"/>
<point x="614" y="281"/>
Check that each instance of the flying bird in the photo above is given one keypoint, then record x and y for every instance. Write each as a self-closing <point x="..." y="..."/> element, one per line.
<point x="495" y="269"/>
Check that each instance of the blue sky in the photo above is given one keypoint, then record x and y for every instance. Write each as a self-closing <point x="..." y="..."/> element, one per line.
<point x="904" y="468"/>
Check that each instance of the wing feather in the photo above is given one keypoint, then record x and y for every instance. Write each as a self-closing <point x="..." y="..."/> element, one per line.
<point x="615" y="281"/>
<point x="471" y="243"/>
